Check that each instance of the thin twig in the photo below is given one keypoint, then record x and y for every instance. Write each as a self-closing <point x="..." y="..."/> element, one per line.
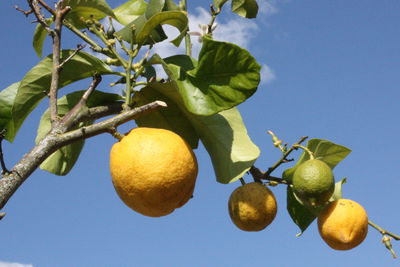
<point x="211" y="26"/>
<point x="383" y="231"/>
<point x="259" y="175"/>
<point x="3" y="164"/>
<point x="79" y="48"/>
<point x="47" y="7"/>
<point x="25" y="12"/>
<point x="35" y="8"/>
<point x="69" y="118"/>
<point x="284" y="159"/>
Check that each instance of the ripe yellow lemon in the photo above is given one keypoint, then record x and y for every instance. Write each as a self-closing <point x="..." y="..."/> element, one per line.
<point x="313" y="182"/>
<point x="153" y="171"/>
<point x="252" y="207"/>
<point x="343" y="224"/>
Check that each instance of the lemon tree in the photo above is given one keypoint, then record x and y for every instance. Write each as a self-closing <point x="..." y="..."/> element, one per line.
<point x="153" y="167"/>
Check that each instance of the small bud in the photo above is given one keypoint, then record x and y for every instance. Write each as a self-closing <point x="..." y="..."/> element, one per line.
<point x="386" y="240"/>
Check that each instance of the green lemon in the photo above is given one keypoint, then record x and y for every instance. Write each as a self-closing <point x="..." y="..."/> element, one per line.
<point x="313" y="182"/>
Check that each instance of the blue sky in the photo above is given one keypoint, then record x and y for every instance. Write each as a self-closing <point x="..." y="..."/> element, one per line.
<point x="333" y="73"/>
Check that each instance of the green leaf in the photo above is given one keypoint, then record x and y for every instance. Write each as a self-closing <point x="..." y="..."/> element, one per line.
<point x="7" y="97"/>
<point x="170" y="5"/>
<point x="128" y="33"/>
<point x="245" y="8"/>
<point x="337" y="194"/>
<point x="62" y="160"/>
<point x="224" y="135"/>
<point x="225" y="76"/>
<point x="154" y="7"/>
<point x="177" y="19"/>
<point x="324" y="150"/>
<point x="39" y="36"/>
<point x="300" y="214"/>
<point x="219" y="3"/>
<point x="36" y="83"/>
<point x="129" y="11"/>
<point x="170" y="118"/>
<point x="82" y="10"/>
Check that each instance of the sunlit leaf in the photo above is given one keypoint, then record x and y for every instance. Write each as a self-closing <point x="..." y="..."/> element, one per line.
<point x="245" y="8"/>
<point x="63" y="160"/>
<point x="154" y="7"/>
<point x="177" y="19"/>
<point x="170" y="5"/>
<point x="225" y="76"/>
<point x="129" y="11"/>
<point x="7" y="98"/>
<point x="39" y="37"/>
<point x="219" y="3"/>
<point x="82" y="10"/>
<point x="36" y="83"/>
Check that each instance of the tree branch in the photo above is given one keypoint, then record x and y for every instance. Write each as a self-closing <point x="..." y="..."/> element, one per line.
<point x="54" y="140"/>
<point x="55" y="75"/>
<point x="69" y="118"/>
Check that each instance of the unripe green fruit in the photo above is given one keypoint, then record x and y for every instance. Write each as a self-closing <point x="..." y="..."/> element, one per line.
<point x="313" y="182"/>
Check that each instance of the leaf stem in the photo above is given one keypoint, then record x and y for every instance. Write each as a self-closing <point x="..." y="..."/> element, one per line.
<point x="188" y="43"/>
<point x="296" y="146"/>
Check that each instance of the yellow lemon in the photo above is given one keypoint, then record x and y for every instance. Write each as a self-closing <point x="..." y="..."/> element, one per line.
<point x="343" y="224"/>
<point x="252" y="207"/>
<point x="153" y="171"/>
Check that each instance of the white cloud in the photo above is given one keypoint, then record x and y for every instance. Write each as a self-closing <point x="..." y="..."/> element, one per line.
<point x="268" y="7"/>
<point x="267" y="74"/>
<point x="238" y="30"/>
<point x="14" y="264"/>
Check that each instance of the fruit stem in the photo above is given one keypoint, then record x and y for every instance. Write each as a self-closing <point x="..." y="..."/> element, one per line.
<point x="383" y="231"/>
<point x="386" y="237"/>
<point x="296" y="146"/>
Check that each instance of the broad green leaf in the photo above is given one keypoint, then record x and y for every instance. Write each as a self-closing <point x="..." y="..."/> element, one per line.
<point x="300" y="215"/>
<point x="225" y="76"/>
<point x="128" y="33"/>
<point x="177" y="19"/>
<point x="324" y="150"/>
<point x="245" y="8"/>
<point x="170" y="5"/>
<point x="219" y="3"/>
<point x="82" y="10"/>
<point x="39" y="36"/>
<point x="154" y="7"/>
<point x="170" y="118"/>
<point x="7" y="97"/>
<point x="129" y="11"/>
<point x="224" y="135"/>
<point x="337" y="194"/>
<point x="36" y="83"/>
<point x="62" y="161"/>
